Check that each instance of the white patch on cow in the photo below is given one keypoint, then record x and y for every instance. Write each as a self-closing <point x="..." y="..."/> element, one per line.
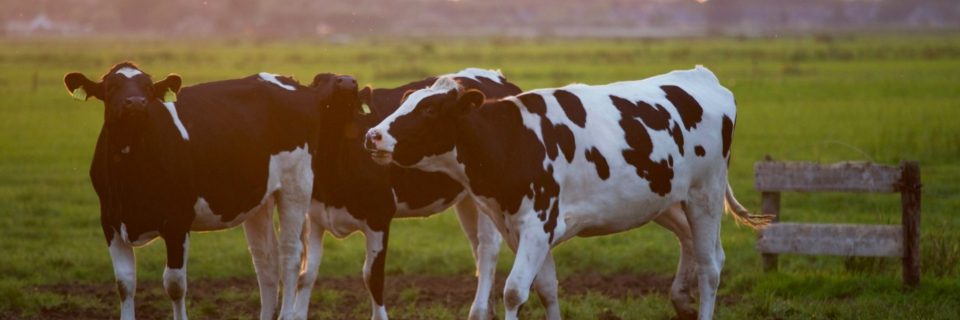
<point x="125" y="271"/>
<point x="128" y="72"/>
<point x="477" y="73"/>
<point x="272" y="78"/>
<point x="171" y="107"/>
<point x="285" y="168"/>
<point x="143" y="239"/>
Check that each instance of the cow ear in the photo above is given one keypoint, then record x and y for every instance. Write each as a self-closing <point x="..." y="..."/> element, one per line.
<point x="81" y="88"/>
<point x="366" y="97"/>
<point x="171" y="83"/>
<point x="469" y="100"/>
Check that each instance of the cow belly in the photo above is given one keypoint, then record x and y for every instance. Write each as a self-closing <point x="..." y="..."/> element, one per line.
<point x="286" y="169"/>
<point x="337" y="220"/>
<point x="207" y="220"/>
<point x="405" y="211"/>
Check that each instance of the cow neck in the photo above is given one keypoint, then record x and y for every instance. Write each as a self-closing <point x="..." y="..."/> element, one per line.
<point x="499" y="153"/>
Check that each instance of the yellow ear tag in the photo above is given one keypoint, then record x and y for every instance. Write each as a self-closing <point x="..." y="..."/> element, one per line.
<point x="170" y="96"/>
<point x="79" y="94"/>
<point x="365" y="109"/>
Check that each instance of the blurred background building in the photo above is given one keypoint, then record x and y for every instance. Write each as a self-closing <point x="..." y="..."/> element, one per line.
<point x="343" y="20"/>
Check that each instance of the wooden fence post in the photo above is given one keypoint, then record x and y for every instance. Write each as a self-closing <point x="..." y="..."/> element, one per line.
<point x="770" y="204"/>
<point x="910" y="198"/>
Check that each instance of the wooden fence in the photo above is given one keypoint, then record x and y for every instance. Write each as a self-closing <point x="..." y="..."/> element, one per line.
<point x="774" y="177"/>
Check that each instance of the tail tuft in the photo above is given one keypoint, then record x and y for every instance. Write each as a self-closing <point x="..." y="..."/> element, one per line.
<point x="742" y="215"/>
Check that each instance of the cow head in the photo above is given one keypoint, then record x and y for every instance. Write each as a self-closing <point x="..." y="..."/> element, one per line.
<point x="339" y="92"/>
<point x="425" y="125"/>
<point x="125" y="91"/>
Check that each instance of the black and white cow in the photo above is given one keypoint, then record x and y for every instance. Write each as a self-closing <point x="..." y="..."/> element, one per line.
<point x="352" y="193"/>
<point x="222" y="155"/>
<point x="551" y="164"/>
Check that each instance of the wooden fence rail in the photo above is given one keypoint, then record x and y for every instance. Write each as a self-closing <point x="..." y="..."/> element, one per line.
<point x="774" y="177"/>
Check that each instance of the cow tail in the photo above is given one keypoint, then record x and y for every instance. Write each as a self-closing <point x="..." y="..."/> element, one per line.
<point x="742" y="215"/>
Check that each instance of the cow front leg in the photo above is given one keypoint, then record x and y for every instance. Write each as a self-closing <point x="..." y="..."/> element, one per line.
<point x="175" y="274"/>
<point x="125" y="271"/>
<point x="485" y="242"/>
<point x="532" y="249"/>
<point x="262" y="242"/>
<point x="685" y="280"/>
<point x="308" y="276"/>
<point x="373" y="270"/>
<point x="293" y="214"/>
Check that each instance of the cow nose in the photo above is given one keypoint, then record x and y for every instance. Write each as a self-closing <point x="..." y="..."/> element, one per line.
<point x="371" y="140"/>
<point x="135" y="102"/>
<point x="346" y="82"/>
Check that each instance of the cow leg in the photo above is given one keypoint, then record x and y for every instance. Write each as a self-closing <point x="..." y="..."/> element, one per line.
<point x="680" y="292"/>
<point x="485" y="242"/>
<point x="704" y="210"/>
<point x="308" y="275"/>
<point x="125" y="270"/>
<point x="293" y="213"/>
<point x="373" y="269"/>
<point x="532" y="249"/>
<point x="262" y="242"/>
<point x="175" y="274"/>
<point x="546" y="285"/>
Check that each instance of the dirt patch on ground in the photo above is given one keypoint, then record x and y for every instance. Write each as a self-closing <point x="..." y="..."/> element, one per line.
<point x="240" y="296"/>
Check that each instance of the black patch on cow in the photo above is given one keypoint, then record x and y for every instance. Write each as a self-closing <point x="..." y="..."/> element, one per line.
<point x="690" y="111"/>
<point x="677" y="135"/>
<point x="572" y="107"/>
<point x="727" y="132"/>
<point x="566" y="141"/>
<point x="377" y="272"/>
<point x="658" y="173"/>
<point x="699" y="151"/>
<point x="599" y="161"/>
<point x="420" y="188"/>
<point x="534" y="102"/>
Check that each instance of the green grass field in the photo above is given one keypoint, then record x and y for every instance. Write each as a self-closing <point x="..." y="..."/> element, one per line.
<point x="874" y="98"/>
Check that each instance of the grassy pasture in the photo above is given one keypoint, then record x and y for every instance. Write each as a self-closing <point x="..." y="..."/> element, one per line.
<point x="822" y="99"/>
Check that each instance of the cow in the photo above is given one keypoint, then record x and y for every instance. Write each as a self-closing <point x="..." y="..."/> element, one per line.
<point x="223" y="154"/>
<point x="351" y="193"/>
<point x="551" y="164"/>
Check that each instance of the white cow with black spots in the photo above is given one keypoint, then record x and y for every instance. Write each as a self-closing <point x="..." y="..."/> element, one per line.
<point x="551" y="164"/>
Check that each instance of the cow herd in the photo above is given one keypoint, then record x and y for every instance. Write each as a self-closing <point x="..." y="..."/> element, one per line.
<point x="534" y="168"/>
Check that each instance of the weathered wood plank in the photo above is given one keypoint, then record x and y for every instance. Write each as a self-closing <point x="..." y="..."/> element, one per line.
<point x="774" y="176"/>
<point x="832" y="239"/>
<point x="770" y="204"/>
<point x="910" y="200"/>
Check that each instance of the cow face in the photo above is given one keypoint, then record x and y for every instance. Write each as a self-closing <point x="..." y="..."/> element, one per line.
<point x="125" y="91"/>
<point x="425" y="125"/>
<point x="342" y="102"/>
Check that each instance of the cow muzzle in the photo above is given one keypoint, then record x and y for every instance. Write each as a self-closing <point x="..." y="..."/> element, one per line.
<point x="374" y="143"/>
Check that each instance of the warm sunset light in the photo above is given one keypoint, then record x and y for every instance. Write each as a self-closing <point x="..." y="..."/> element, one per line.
<point x="460" y="159"/>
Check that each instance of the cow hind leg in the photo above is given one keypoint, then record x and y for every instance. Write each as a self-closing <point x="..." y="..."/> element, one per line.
<point x="485" y="242"/>
<point x="373" y="270"/>
<point x="684" y="281"/>
<point x="704" y="209"/>
<point x="262" y="242"/>
<point x="125" y="270"/>
<point x="547" y="286"/>
<point x="308" y="276"/>
<point x="175" y="274"/>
